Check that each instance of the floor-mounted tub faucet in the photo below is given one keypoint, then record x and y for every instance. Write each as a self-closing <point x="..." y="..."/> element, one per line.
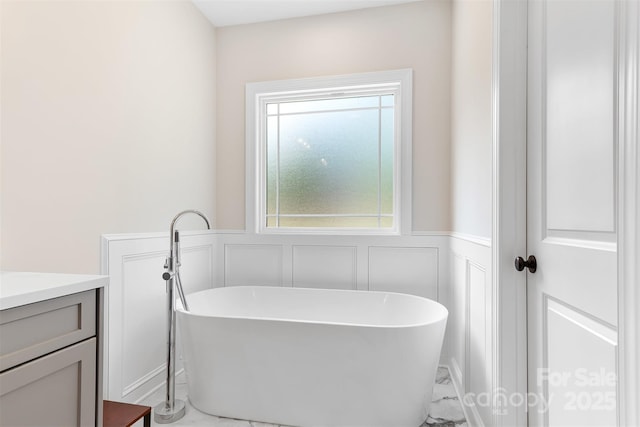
<point x="173" y="409"/>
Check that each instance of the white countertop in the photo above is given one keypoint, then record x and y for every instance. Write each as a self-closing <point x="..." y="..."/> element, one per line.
<point x="19" y="288"/>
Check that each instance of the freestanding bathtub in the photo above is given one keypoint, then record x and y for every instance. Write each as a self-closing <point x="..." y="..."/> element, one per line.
<point x="312" y="357"/>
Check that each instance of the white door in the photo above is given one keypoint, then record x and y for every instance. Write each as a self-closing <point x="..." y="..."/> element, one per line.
<point x="571" y="214"/>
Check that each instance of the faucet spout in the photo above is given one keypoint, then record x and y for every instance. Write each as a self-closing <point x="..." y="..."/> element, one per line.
<point x="172" y="230"/>
<point x="188" y="211"/>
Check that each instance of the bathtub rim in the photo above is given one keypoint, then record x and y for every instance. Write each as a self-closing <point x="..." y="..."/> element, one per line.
<point x="440" y="306"/>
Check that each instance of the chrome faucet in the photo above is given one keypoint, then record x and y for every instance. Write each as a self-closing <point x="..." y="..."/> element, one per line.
<point x="173" y="409"/>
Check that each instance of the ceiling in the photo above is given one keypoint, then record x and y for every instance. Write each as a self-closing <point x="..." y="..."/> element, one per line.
<point x="223" y="13"/>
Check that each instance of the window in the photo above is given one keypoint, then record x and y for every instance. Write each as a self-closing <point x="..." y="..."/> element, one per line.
<point x="327" y="154"/>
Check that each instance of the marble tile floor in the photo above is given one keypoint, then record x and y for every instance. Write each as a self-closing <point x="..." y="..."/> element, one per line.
<point x="446" y="410"/>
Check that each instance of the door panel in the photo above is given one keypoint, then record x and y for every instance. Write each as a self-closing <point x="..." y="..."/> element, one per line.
<point x="578" y="367"/>
<point x="571" y="197"/>
<point x="579" y="79"/>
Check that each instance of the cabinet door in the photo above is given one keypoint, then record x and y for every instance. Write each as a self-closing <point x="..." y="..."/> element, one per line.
<point x="55" y="390"/>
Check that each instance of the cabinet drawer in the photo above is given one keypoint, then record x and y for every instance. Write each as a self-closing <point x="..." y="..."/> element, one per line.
<point x="30" y="331"/>
<point x="55" y="390"/>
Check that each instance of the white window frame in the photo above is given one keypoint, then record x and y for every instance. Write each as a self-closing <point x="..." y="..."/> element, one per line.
<point x="257" y="94"/>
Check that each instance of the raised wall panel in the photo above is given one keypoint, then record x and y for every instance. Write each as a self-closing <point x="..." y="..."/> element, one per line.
<point x="478" y="354"/>
<point x="145" y="307"/>
<point x="255" y="265"/>
<point x="457" y="321"/>
<point x="331" y="267"/>
<point x="469" y="326"/>
<point x="144" y="319"/>
<point x="579" y="135"/>
<point x="196" y="270"/>
<point x="407" y="270"/>
<point x="580" y="369"/>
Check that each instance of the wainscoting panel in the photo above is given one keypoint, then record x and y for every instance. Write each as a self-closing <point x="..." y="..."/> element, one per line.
<point x="255" y="265"/>
<point x="478" y="351"/>
<point x="408" y="264"/>
<point x="456" y="302"/>
<point x="331" y="267"/>
<point x="142" y="298"/>
<point x="136" y="307"/>
<point x="469" y="341"/>
<point x="407" y="270"/>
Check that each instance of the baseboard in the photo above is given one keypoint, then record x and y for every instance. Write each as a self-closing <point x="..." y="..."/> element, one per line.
<point x="468" y="406"/>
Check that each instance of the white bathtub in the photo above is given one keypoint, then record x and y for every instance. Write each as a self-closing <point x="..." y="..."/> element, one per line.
<point x="312" y="357"/>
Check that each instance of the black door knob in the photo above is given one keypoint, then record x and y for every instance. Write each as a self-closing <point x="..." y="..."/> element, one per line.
<point x="530" y="263"/>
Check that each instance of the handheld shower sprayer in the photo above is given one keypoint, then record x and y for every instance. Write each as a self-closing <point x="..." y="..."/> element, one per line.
<point x="173" y="409"/>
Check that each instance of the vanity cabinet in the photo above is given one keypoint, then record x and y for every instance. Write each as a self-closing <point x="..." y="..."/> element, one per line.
<point x="50" y="363"/>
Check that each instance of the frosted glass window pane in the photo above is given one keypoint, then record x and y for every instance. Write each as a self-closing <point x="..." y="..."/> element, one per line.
<point x="329" y="163"/>
<point x="329" y="104"/>
<point x="388" y="100"/>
